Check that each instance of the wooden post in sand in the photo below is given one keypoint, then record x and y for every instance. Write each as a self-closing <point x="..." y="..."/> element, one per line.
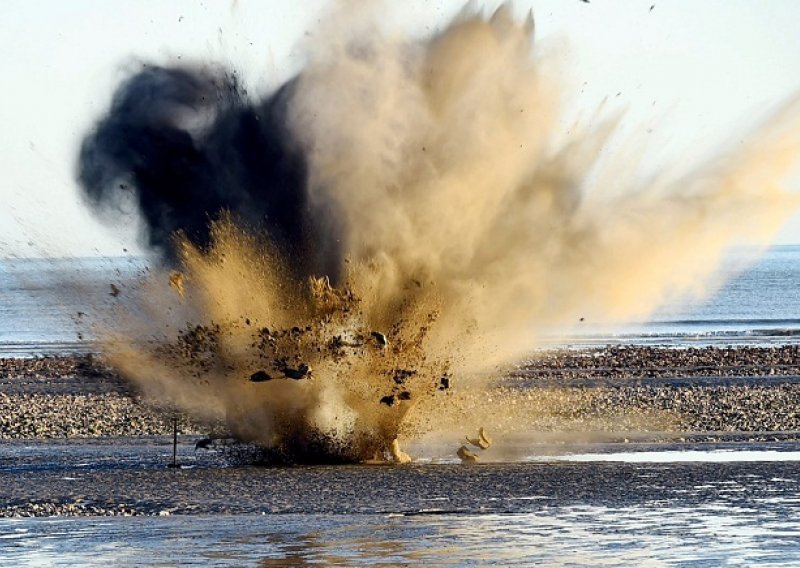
<point x="174" y="440"/>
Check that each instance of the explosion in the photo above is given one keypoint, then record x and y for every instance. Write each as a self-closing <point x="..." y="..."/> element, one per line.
<point x="398" y="221"/>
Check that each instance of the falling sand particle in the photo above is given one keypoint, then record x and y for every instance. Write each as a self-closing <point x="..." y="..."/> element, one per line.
<point x="392" y="230"/>
<point x="176" y="281"/>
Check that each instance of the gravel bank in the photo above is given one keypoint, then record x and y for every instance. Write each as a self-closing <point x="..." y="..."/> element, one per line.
<point x="84" y="415"/>
<point x="76" y="397"/>
<point x="665" y="408"/>
<point x="708" y="389"/>
<point x="699" y="389"/>
<point x="629" y="363"/>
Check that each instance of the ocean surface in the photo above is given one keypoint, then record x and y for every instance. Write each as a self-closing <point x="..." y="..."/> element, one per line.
<point x="758" y="302"/>
<point x="46" y="304"/>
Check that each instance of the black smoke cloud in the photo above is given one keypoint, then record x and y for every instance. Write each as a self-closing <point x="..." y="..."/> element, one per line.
<point x="186" y="144"/>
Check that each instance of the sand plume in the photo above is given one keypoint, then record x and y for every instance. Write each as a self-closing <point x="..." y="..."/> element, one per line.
<point x="401" y="214"/>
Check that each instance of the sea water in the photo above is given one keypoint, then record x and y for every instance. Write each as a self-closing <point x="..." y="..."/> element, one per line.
<point x="757" y="303"/>
<point x="46" y="304"/>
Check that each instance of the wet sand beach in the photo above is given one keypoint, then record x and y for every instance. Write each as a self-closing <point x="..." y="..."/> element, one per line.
<point x="80" y="441"/>
<point x="546" y="512"/>
<point x="129" y="477"/>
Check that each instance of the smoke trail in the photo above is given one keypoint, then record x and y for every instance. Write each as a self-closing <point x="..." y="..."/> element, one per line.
<point x="430" y="181"/>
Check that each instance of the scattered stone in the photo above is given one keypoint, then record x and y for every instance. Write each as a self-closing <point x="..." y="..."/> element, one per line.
<point x="405" y="395"/>
<point x="260" y="377"/>
<point x="388" y="400"/>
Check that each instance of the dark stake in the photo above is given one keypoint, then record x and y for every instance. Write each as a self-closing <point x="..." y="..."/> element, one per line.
<point x="174" y="441"/>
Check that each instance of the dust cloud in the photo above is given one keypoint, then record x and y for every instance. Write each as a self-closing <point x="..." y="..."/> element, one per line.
<point x="392" y="227"/>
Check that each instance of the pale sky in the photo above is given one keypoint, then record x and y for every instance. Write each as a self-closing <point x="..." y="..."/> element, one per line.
<point x="696" y="73"/>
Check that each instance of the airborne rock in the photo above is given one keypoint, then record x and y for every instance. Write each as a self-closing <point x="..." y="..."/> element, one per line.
<point x="380" y="338"/>
<point x="302" y="372"/>
<point x="260" y="377"/>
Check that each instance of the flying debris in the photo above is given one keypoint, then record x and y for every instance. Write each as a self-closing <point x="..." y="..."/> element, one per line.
<point x="176" y="282"/>
<point x="301" y="372"/>
<point x="260" y="377"/>
<point x="466" y="455"/>
<point x="380" y="338"/>
<point x="401" y="376"/>
<point x="482" y="441"/>
<point x="398" y="455"/>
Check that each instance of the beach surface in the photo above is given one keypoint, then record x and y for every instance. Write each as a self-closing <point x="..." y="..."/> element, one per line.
<point x="78" y="440"/>
<point x="81" y="450"/>
<point x="612" y="389"/>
